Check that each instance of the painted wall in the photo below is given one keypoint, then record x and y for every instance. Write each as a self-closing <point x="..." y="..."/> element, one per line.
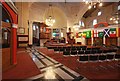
<point x="23" y="16"/>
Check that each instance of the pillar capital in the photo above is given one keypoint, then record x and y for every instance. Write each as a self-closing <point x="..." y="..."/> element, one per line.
<point x="14" y="25"/>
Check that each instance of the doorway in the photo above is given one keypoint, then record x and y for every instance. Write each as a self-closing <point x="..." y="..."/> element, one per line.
<point x="36" y="33"/>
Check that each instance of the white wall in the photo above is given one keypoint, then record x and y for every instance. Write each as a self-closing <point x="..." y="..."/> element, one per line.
<point x="23" y="15"/>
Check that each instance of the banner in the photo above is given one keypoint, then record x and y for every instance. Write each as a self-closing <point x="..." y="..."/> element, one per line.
<point x="88" y="34"/>
<point x="100" y="34"/>
<point x="79" y="35"/>
<point x="106" y="32"/>
<point x="112" y="32"/>
<point x="95" y="33"/>
<point x="76" y="35"/>
<point x="84" y="34"/>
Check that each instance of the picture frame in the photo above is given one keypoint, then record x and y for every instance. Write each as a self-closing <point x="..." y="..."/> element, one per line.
<point x="21" y="30"/>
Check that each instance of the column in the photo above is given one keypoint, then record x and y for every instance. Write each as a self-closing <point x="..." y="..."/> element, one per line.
<point x="92" y="41"/>
<point x="14" y="43"/>
<point x="30" y="33"/>
<point x="104" y="40"/>
<point x="118" y="41"/>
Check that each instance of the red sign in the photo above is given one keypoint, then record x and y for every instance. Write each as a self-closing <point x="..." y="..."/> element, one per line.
<point x="101" y="24"/>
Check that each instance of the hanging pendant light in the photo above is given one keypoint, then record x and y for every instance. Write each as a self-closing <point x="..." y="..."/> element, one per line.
<point x="50" y="20"/>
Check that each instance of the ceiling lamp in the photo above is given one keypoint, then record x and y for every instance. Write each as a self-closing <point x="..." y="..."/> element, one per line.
<point x="93" y="3"/>
<point x="50" y="20"/>
<point x="115" y="19"/>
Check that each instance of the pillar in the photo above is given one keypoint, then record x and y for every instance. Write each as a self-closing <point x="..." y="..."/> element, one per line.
<point x="104" y="40"/>
<point x="92" y="41"/>
<point x="118" y="41"/>
<point x="14" y="43"/>
<point x="30" y="33"/>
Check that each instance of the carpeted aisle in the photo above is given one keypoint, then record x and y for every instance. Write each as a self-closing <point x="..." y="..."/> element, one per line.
<point x="25" y="68"/>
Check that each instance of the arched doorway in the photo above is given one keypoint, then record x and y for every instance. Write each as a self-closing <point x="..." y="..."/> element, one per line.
<point x="6" y="39"/>
<point x="9" y="35"/>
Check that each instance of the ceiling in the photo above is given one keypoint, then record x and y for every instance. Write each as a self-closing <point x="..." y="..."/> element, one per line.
<point x="89" y="12"/>
<point x="56" y="0"/>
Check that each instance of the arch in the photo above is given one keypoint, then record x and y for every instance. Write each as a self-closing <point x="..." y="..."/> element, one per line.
<point x="14" y="22"/>
<point x="5" y="14"/>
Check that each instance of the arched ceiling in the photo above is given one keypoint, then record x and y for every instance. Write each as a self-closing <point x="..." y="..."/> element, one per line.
<point x="69" y="10"/>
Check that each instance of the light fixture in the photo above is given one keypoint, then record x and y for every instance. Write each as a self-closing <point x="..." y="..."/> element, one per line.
<point x="115" y="16"/>
<point x="114" y="19"/>
<point x="90" y="6"/>
<point x="99" y="13"/>
<point x="101" y="4"/>
<point x="93" y="3"/>
<point x="50" y="20"/>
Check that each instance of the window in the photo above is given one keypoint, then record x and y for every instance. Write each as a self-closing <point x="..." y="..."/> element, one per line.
<point x="81" y="23"/>
<point x="34" y="27"/>
<point x="94" y="22"/>
<point x="62" y="34"/>
<point x="119" y="7"/>
<point x="99" y="13"/>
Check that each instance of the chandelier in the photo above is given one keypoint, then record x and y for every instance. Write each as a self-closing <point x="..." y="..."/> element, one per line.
<point x="50" y="20"/>
<point x="93" y="3"/>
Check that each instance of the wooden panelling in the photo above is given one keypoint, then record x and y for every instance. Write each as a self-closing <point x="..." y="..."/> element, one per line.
<point x="111" y="41"/>
<point x="6" y="58"/>
<point x="98" y="41"/>
<point x="88" y="41"/>
<point x="5" y="24"/>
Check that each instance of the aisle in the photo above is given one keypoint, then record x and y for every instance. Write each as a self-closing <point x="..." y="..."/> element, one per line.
<point x="52" y="69"/>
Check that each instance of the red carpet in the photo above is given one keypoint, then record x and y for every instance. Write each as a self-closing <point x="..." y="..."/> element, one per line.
<point x="25" y="68"/>
<point x="86" y="69"/>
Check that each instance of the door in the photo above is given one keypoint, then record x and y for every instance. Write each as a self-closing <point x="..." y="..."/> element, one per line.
<point x="36" y="33"/>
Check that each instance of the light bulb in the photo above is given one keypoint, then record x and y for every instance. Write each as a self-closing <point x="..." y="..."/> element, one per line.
<point x="116" y="22"/>
<point x="89" y="7"/>
<point x="117" y="18"/>
<point x="111" y="19"/>
<point x="94" y="6"/>
<point x="101" y="4"/>
<point x="114" y="19"/>
<point x="86" y="2"/>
